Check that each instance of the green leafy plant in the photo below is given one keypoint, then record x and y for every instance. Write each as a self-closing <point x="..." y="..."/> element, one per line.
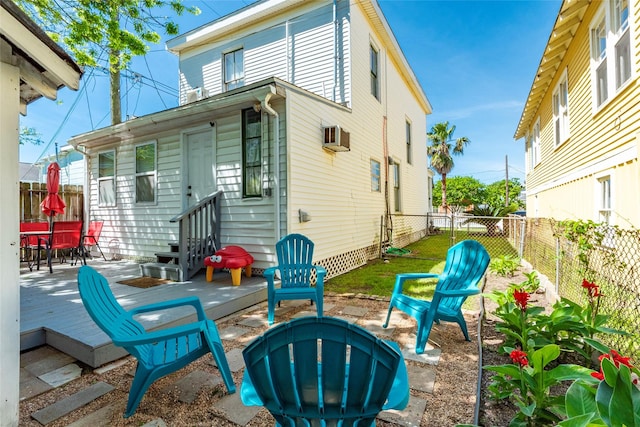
<point x="504" y="265"/>
<point x="528" y="382"/>
<point x="610" y="397"/>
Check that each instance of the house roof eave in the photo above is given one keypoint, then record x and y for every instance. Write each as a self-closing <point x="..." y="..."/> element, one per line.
<point x="180" y="116"/>
<point x="567" y="22"/>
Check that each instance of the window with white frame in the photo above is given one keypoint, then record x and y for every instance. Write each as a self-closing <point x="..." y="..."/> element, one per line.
<point x="610" y="50"/>
<point x="408" y="138"/>
<point x="375" y="86"/>
<point x="234" y="69"/>
<point x="604" y="202"/>
<point x="146" y="173"/>
<point x="375" y="175"/>
<point x="560" y="100"/>
<point x="535" y="144"/>
<point x="396" y="187"/>
<point x="107" y="178"/>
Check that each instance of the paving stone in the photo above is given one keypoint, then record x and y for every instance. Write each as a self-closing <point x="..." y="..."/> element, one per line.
<point x="106" y="368"/>
<point x="304" y="313"/>
<point x="31" y="386"/>
<point x="155" y="423"/>
<point x="50" y="361"/>
<point x="234" y="359"/>
<point x="375" y="327"/>
<point x="431" y="355"/>
<point x="352" y="310"/>
<point x="411" y="416"/>
<point x="71" y="403"/>
<point x="255" y="321"/>
<point x="421" y="378"/>
<point x="188" y="387"/>
<point x="327" y="307"/>
<point x="37" y="354"/>
<point x="349" y="319"/>
<point x="235" y="410"/>
<point x="233" y="332"/>
<point x="99" y="418"/>
<point x="61" y="376"/>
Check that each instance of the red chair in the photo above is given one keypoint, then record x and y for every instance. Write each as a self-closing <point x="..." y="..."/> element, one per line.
<point x="64" y="235"/>
<point x="30" y="233"/>
<point x="92" y="237"/>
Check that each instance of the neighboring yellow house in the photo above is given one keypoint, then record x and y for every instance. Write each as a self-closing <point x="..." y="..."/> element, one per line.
<point x="581" y="121"/>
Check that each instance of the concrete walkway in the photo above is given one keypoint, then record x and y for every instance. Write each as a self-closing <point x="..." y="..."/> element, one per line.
<point x="44" y="368"/>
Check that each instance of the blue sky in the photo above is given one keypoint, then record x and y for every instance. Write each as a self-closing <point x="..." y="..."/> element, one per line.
<point x="474" y="59"/>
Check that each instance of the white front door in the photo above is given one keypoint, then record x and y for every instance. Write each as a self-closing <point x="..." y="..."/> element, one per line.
<point x="200" y="166"/>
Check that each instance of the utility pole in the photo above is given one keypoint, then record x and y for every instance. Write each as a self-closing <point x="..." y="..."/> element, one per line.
<point x="506" y="180"/>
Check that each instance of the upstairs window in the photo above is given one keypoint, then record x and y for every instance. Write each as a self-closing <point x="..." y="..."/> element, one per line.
<point x="146" y="173"/>
<point x="408" y="138"/>
<point x="107" y="178"/>
<point x="610" y="50"/>
<point x="375" y="86"/>
<point x="251" y="153"/>
<point x="234" y="69"/>
<point x="561" y="110"/>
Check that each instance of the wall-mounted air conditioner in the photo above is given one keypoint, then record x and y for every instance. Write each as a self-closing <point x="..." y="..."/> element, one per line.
<point x="196" y="94"/>
<point x="335" y="138"/>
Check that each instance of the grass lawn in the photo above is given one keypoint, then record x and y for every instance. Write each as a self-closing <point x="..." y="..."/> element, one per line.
<point x="378" y="276"/>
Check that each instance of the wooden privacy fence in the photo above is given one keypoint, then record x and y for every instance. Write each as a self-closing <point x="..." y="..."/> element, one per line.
<point x="32" y="194"/>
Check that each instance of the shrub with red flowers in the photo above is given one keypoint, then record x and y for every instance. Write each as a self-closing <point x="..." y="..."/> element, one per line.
<point x="610" y="397"/>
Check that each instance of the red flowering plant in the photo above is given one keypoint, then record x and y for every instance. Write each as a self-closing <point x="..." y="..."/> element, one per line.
<point x="610" y="397"/>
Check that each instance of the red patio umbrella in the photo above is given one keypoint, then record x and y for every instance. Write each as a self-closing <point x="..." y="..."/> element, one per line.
<point x="53" y="203"/>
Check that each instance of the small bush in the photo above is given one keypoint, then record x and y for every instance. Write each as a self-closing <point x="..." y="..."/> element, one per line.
<point x="504" y="265"/>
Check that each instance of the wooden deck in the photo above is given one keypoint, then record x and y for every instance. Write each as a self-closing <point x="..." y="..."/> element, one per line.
<point x="52" y="313"/>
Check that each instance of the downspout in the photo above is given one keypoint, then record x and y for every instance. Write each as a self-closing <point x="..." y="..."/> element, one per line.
<point x="276" y="164"/>
<point x="335" y="48"/>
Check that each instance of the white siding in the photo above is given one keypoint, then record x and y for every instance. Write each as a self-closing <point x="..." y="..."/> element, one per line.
<point x="307" y="57"/>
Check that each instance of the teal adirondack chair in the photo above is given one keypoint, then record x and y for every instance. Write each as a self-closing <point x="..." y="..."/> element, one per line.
<point x="295" y="267"/>
<point x="464" y="268"/>
<point x="160" y="352"/>
<point x="316" y="371"/>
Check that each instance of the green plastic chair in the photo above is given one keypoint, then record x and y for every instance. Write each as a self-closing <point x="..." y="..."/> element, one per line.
<point x="316" y="371"/>
<point x="295" y="267"/>
<point x="466" y="265"/>
<point x="160" y="352"/>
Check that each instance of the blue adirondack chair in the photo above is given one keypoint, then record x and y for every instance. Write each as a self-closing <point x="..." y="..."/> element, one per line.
<point x="465" y="266"/>
<point x="316" y="371"/>
<point x="295" y="265"/>
<point x="159" y="353"/>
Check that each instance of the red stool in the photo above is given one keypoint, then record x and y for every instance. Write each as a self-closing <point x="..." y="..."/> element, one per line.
<point x="232" y="257"/>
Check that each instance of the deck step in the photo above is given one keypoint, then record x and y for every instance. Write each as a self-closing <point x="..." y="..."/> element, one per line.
<point x="161" y="270"/>
<point x="164" y="257"/>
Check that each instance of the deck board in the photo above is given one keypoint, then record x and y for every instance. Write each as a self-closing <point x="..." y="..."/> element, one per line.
<point x="51" y="309"/>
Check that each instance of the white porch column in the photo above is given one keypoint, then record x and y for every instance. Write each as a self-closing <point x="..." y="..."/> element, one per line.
<point x="9" y="245"/>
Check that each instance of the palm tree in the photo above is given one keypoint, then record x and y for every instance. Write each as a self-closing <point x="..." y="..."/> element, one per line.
<point x="440" y="151"/>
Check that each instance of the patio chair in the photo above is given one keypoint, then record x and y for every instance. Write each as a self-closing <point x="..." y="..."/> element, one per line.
<point x="64" y="235"/>
<point x="92" y="236"/>
<point x="465" y="266"/>
<point x="161" y="352"/>
<point x="316" y="371"/>
<point x="295" y="268"/>
<point x="30" y="234"/>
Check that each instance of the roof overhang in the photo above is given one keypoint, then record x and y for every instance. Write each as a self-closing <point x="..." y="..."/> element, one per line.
<point x="568" y="20"/>
<point x="44" y="66"/>
<point x="180" y="117"/>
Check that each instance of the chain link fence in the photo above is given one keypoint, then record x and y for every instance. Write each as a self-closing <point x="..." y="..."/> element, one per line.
<point x="501" y="236"/>
<point x="613" y="263"/>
